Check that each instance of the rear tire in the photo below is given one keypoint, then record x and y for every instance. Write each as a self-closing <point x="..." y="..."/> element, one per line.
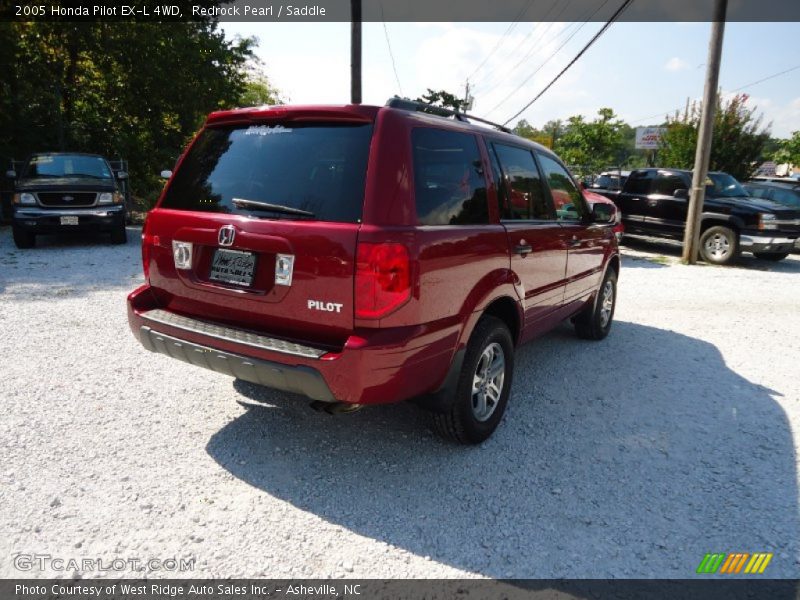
<point x="719" y="245"/>
<point x="483" y="385"/>
<point x="594" y="321"/>
<point x="773" y="256"/>
<point x="119" y="235"/>
<point x="22" y="238"/>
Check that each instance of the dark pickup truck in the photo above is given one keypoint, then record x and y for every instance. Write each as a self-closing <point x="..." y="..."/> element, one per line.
<point x="655" y="202"/>
<point x="60" y="192"/>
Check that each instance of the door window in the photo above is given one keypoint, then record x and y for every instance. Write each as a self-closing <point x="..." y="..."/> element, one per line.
<point x="639" y="182"/>
<point x="567" y="198"/>
<point x="665" y="183"/>
<point x="450" y="187"/>
<point x="521" y="194"/>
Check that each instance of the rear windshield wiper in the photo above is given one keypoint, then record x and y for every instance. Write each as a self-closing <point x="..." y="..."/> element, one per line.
<point x="278" y="208"/>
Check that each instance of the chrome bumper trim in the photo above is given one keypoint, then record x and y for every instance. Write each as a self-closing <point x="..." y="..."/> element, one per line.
<point x="229" y="334"/>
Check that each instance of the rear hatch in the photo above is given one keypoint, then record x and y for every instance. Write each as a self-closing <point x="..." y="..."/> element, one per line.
<point x="271" y="211"/>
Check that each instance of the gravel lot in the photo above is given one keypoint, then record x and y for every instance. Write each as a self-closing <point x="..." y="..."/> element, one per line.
<point x="632" y="457"/>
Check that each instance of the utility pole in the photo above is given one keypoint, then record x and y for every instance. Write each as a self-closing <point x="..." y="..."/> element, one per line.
<point x="355" y="51"/>
<point x="703" y="153"/>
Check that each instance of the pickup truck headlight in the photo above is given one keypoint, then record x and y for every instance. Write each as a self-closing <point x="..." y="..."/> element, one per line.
<point x="25" y="199"/>
<point x="109" y="198"/>
<point x="765" y="221"/>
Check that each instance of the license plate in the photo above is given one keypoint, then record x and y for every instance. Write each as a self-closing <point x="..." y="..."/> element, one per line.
<point x="69" y="220"/>
<point x="233" y="266"/>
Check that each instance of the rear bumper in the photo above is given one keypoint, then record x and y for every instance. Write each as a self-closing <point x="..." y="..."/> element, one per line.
<point x="48" y="220"/>
<point x="778" y="243"/>
<point x="372" y="367"/>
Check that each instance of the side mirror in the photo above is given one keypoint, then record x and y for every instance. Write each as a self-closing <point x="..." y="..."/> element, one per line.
<point x="11" y="174"/>
<point x="681" y="193"/>
<point x="602" y="213"/>
<point x="122" y="175"/>
<point x="166" y="174"/>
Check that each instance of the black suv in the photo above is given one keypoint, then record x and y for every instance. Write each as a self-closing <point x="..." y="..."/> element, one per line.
<point x="66" y="192"/>
<point x="655" y="202"/>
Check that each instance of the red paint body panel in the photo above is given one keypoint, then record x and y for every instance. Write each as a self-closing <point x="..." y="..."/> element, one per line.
<point x="456" y="271"/>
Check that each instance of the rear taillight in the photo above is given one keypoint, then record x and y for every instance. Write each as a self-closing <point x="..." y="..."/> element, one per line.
<point x="383" y="279"/>
<point x="148" y="241"/>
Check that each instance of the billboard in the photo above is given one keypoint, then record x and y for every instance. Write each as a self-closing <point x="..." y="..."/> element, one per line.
<point x="647" y="138"/>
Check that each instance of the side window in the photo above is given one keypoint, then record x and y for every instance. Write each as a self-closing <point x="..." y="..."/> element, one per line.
<point x="521" y="194"/>
<point x="783" y="196"/>
<point x="665" y="183"/>
<point x="639" y="182"/>
<point x="567" y="198"/>
<point x="450" y="187"/>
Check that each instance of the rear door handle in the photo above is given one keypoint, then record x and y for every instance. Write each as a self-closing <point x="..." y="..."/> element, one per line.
<point x="523" y="249"/>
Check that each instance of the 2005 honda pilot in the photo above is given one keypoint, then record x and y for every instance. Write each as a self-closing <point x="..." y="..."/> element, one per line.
<point x="363" y="255"/>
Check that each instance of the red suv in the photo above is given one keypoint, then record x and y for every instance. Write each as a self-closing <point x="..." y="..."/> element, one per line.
<point x="364" y="255"/>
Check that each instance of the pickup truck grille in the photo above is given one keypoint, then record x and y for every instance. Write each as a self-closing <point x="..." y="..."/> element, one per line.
<point x="67" y="199"/>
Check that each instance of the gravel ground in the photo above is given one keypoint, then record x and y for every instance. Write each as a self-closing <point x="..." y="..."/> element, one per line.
<point x="632" y="457"/>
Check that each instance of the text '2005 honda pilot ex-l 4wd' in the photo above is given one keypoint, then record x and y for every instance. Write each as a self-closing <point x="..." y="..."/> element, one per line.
<point x="363" y="255"/>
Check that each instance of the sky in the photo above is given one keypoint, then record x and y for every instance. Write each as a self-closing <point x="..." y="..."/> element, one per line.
<point x="641" y="70"/>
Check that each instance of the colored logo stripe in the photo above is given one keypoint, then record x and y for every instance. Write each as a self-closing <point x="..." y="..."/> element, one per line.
<point x="734" y="563"/>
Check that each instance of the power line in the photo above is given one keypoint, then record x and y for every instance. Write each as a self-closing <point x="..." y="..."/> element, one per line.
<point x="603" y="29"/>
<point x="549" y="58"/>
<point x="490" y="76"/>
<point x="511" y="26"/>
<point x="747" y="85"/>
<point x="391" y="54"/>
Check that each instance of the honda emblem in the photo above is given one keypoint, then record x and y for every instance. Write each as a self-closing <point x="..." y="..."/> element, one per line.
<point x="226" y="235"/>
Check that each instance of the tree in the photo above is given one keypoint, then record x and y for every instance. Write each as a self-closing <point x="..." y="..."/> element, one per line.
<point x="593" y="144"/>
<point x="137" y="91"/>
<point x="788" y="150"/>
<point x="442" y="98"/>
<point x="737" y="143"/>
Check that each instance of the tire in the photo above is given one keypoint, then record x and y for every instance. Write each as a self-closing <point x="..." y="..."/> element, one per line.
<point x="719" y="245"/>
<point x="773" y="256"/>
<point x="474" y="415"/>
<point x="594" y="322"/>
<point x="23" y="239"/>
<point x="119" y="235"/>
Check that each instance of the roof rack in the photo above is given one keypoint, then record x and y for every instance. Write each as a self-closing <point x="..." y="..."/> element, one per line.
<point x="415" y="106"/>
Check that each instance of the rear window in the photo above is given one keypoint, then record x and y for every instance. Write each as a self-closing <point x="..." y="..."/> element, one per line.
<point x="450" y="187"/>
<point x="318" y="168"/>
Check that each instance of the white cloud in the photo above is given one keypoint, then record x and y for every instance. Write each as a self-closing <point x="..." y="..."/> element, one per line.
<point x="676" y="64"/>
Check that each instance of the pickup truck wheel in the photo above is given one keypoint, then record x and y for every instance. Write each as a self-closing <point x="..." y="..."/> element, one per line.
<point x="719" y="245"/>
<point x="773" y="256"/>
<point x="594" y="322"/>
<point x="23" y="239"/>
<point x="483" y="386"/>
<point x="119" y="235"/>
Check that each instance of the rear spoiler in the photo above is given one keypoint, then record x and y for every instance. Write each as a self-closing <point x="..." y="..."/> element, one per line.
<point x="350" y="113"/>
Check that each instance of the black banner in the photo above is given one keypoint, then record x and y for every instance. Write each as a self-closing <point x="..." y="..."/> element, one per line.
<point x="417" y="589"/>
<point x="395" y="10"/>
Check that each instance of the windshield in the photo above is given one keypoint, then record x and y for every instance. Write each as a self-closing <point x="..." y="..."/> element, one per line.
<point x="316" y="168"/>
<point x="723" y="185"/>
<point x="67" y="165"/>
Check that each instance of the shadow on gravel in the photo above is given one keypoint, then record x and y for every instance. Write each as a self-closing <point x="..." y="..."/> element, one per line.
<point x="69" y="265"/>
<point x="632" y="457"/>
<point x="655" y="251"/>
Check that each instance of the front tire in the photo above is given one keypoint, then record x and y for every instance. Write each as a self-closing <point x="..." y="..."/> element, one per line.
<point x="594" y="322"/>
<point x="719" y="245"/>
<point x="773" y="256"/>
<point x="22" y="238"/>
<point x="483" y="386"/>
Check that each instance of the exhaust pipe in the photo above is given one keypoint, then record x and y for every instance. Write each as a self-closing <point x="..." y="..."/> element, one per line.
<point x="335" y="408"/>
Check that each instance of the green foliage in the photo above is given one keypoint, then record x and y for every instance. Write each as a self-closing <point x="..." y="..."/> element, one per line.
<point x="788" y="151"/>
<point x="594" y="144"/>
<point x="442" y="98"/>
<point x="737" y="143"/>
<point x="137" y="91"/>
